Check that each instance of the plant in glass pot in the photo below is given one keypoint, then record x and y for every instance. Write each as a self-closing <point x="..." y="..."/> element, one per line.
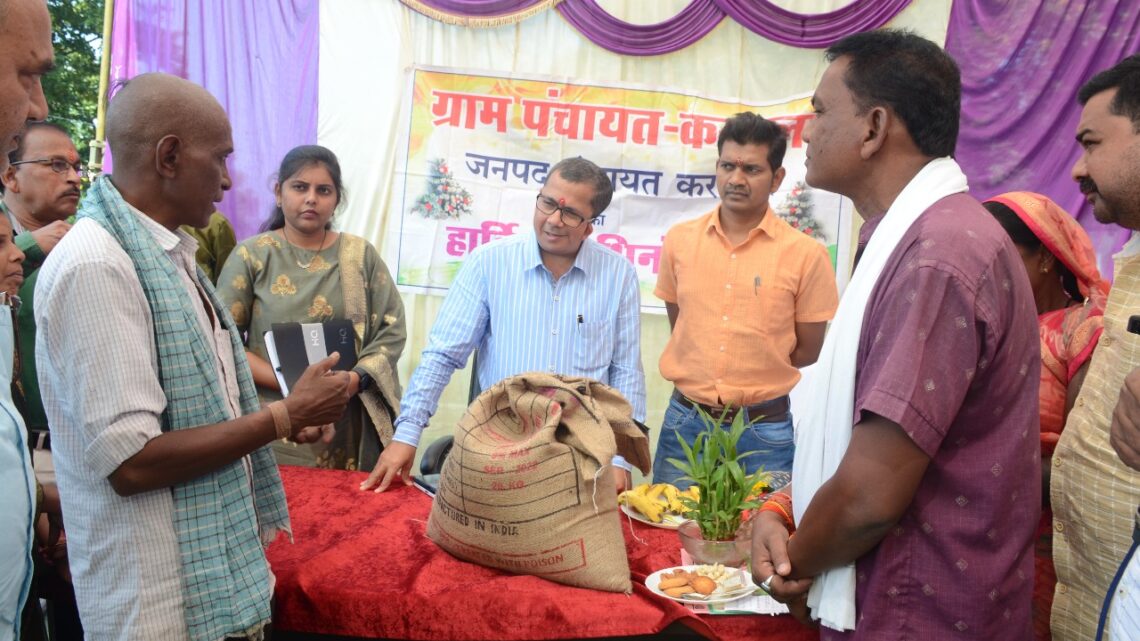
<point x="725" y="491"/>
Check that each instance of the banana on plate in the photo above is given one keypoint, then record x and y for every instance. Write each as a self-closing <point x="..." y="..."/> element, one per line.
<point x="656" y="500"/>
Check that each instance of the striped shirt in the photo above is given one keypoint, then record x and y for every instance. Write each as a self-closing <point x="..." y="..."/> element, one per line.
<point x="98" y="374"/>
<point x="506" y="303"/>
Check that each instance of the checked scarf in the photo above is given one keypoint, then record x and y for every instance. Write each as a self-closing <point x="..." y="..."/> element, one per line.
<point x="221" y="521"/>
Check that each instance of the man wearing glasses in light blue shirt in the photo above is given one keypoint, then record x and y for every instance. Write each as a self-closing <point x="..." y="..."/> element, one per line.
<point x="549" y="301"/>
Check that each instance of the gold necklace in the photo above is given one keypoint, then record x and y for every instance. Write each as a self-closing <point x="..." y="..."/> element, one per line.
<point x="293" y="246"/>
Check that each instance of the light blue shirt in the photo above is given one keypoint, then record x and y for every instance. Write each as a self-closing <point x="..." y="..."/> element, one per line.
<point x="17" y="494"/>
<point x="506" y="302"/>
<point x="1124" y="622"/>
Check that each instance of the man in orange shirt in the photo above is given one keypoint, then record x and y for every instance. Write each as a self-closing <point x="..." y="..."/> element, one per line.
<point x="748" y="299"/>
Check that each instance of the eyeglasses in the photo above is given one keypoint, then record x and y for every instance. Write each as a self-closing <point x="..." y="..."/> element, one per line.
<point x="569" y="217"/>
<point x="58" y="165"/>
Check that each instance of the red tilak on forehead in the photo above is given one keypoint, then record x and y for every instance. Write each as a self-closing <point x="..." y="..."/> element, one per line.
<point x="561" y="202"/>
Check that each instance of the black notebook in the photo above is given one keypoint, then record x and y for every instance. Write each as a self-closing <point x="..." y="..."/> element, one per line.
<point x="292" y="347"/>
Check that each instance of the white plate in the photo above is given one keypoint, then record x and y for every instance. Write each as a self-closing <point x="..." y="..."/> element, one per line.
<point x="718" y="595"/>
<point x="669" y="521"/>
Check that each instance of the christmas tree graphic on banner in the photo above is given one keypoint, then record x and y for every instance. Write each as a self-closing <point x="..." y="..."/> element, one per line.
<point x="445" y="197"/>
<point x="796" y="210"/>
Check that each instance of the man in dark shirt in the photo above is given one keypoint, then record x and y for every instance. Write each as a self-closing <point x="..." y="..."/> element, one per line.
<point x="40" y="196"/>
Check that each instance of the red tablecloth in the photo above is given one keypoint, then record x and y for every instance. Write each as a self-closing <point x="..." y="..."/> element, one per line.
<point x="361" y="566"/>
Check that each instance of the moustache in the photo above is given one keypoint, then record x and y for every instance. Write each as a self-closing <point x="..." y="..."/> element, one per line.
<point x="1087" y="186"/>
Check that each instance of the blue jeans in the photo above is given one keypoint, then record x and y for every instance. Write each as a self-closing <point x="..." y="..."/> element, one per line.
<point x="772" y="444"/>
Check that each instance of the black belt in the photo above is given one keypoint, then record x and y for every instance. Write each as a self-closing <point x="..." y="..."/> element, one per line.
<point x="773" y="411"/>
<point x="39" y="439"/>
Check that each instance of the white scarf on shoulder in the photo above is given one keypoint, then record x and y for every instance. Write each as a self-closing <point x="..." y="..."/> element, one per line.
<point x="824" y="429"/>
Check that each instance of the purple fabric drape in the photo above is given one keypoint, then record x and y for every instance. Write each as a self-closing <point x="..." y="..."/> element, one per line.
<point x="606" y="31"/>
<point x="1022" y="64"/>
<point x="479" y="8"/>
<point x="811" y="31"/>
<point x="694" y="21"/>
<point x="700" y="16"/>
<point x="259" y="60"/>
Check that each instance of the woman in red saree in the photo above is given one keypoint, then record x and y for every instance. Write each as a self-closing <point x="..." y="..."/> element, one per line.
<point x="1070" y="295"/>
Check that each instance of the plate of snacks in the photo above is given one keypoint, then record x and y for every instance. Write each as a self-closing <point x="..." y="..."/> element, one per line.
<point x="658" y="504"/>
<point x="701" y="583"/>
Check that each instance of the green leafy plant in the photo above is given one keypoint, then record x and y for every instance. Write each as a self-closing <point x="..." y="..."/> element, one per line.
<point x="713" y="464"/>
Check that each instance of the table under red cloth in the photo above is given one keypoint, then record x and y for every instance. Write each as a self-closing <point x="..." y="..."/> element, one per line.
<point x="361" y="565"/>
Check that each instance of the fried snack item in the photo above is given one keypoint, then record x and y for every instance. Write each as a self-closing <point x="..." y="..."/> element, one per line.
<point x="678" y="591"/>
<point x="672" y="581"/>
<point x="703" y="585"/>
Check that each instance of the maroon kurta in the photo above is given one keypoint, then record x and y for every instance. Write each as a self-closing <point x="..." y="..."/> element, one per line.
<point x="950" y="351"/>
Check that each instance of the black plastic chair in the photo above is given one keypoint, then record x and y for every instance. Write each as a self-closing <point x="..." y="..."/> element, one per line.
<point x="432" y="460"/>
<point x="435" y="454"/>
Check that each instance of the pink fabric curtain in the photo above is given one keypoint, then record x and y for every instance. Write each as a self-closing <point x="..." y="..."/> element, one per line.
<point x="260" y="61"/>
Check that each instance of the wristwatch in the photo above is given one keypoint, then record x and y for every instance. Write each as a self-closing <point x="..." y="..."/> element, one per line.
<point x="365" y="381"/>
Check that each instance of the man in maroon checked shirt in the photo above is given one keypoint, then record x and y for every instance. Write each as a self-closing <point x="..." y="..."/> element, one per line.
<point x="937" y="494"/>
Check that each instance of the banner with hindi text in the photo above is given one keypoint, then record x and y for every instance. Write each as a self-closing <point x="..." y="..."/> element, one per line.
<point x="478" y="146"/>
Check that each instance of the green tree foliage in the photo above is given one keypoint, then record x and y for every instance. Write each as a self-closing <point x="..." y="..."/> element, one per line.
<point x="72" y="88"/>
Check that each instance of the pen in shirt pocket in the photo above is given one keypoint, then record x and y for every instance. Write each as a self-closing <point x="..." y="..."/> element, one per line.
<point x="580" y="321"/>
<point x="756" y="286"/>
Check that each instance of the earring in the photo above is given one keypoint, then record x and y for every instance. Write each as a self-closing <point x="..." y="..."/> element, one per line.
<point x="1044" y="269"/>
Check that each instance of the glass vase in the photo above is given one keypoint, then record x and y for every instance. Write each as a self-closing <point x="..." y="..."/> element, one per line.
<point x="731" y="554"/>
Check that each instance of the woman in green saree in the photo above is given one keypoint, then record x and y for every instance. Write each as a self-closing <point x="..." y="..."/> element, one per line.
<point x="301" y="270"/>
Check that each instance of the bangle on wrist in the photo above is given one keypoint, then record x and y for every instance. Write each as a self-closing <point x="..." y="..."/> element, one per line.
<point x="281" y="422"/>
<point x="780" y="504"/>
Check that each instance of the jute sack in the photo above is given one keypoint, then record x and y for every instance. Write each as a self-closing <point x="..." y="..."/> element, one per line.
<point x="528" y="486"/>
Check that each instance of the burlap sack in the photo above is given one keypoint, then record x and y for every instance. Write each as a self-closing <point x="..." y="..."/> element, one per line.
<point x="528" y="486"/>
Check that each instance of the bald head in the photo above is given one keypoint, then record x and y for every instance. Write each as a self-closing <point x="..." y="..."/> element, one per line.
<point x="152" y="106"/>
<point x="170" y="139"/>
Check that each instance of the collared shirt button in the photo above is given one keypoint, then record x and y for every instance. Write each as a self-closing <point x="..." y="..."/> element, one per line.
<point x="724" y="318"/>
<point x="719" y="380"/>
<point x="728" y="286"/>
<point x="554" y="331"/>
<point x="1062" y="588"/>
<point x="556" y="298"/>
<point x="722" y="348"/>
<point x="733" y="256"/>
<point x="1056" y="461"/>
<point x="1059" y="526"/>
